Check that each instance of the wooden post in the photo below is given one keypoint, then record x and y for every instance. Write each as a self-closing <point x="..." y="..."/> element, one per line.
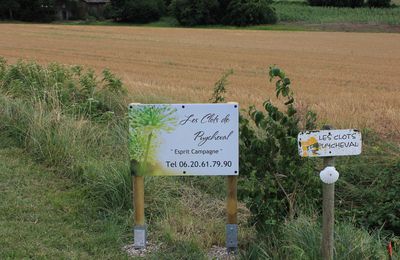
<point x="328" y="218"/>
<point x="139" y="231"/>
<point x="138" y="197"/>
<point x="232" y="221"/>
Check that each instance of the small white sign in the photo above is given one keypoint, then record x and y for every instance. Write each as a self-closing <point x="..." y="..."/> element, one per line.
<point x="184" y="139"/>
<point x="324" y="143"/>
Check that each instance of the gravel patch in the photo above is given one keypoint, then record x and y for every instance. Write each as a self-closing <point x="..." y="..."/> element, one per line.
<point x="214" y="253"/>
<point x="220" y="253"/>
<point x="132" y="251"/>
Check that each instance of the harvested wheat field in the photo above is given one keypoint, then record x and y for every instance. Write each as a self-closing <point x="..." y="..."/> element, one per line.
<point x="350" y="79"/>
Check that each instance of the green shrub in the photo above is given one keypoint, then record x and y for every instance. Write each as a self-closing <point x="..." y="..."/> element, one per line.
<point x="138" y="11"/>
<point x="274" y="181"/>
<point x="195" y="12"/>
<point x="337" y="3"/>
<point x="109" y="12"/>
<point x="277" y="183"/>
<point x="378" y="3"/>
<point x="232" y="12"/>
<point x="249" y="12"/>
<point x="368" y="188"/>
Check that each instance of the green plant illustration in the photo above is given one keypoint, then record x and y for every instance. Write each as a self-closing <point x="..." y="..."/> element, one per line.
<point x="146" y="122"/>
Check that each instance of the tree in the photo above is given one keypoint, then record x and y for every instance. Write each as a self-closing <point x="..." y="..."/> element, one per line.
<point x="8" y="7"/>
<point x="139" y="11"/>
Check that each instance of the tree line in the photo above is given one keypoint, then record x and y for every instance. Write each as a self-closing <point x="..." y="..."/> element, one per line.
<point x="31" y="10"/>
<point x="187" y="12"/>
<point x="196" y="12"/>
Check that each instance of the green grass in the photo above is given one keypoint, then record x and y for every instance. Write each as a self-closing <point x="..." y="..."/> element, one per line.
<point x="43" y="215"/>
<point x="65" y="185"/>
<point x="301" y="12"/>
<point x="68" y="120"/>
<point x="300" y="239"/>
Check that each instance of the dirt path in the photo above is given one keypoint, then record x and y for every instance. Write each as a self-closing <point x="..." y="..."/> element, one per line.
<point x="350" y="79"/>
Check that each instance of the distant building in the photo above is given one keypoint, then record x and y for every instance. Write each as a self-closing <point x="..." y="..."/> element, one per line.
<point x="80" y="9"/>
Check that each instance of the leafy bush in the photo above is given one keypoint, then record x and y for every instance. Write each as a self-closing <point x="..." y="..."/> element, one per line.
<point x="249" y="12"/>
<point x="277" y="183"/>
<point x="232" y="12"/>
<point x="378" y="3"/>
<point x="109" y="12"/>
<point x="337" y="3"/>
<point x="195" y="12"/>
<point x="138" y="11"/>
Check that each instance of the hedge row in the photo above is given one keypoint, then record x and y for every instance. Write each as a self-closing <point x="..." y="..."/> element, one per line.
<point x="195" y="12"/>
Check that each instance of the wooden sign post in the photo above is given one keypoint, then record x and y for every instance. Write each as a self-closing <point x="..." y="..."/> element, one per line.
<point x="328" y="211"/>
<point x="139" y="232"/>
<point x="232" y="220"/>
<point x="180" y="140"/>
<point x="329" y="143"/>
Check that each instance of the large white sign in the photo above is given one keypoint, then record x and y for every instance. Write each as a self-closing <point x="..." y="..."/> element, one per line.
<point x="184" y="139"/>
<point x="325" y="143"/>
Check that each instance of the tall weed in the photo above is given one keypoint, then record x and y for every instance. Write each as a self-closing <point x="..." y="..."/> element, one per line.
<point x="300" y="238"/>
<point x="72" y="122"/>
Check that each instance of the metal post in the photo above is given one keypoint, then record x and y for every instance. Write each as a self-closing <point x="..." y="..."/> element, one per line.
<point x="232" y="226"/>
<point x="328" y="218"/>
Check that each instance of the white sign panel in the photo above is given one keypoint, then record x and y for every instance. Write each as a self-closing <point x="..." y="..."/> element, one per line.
<point x="184" y="139"/>
<point x="325" y="143"/>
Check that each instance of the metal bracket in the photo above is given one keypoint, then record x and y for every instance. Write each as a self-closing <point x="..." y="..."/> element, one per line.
<point x="139" y="237"/>
<point x="231" y="237"/>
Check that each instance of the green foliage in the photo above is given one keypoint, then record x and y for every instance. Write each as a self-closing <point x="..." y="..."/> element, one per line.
<point x="8" y="8"/>
<point x="249" y="12"/>
<point x="28" y="10"/>
<point x="304" y="13"/>
<point x="73" y="90"/>
<point x="337" y="3"/>
<point x="301" y="239"/>
<point x="276" y="184"/>
<point x="231" y="12"/>
<point x="109" y="12"/>
<point x="219" y="88"/>
<point x="368" y="188"/>
<point x="378" y="3"/>
<point x="71" y="121"/>
<point x="138" y="11"/>
<point x="195" y="12"/>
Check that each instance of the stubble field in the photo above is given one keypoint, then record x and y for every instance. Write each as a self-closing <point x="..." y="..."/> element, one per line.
<point x="349" y="79"/>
